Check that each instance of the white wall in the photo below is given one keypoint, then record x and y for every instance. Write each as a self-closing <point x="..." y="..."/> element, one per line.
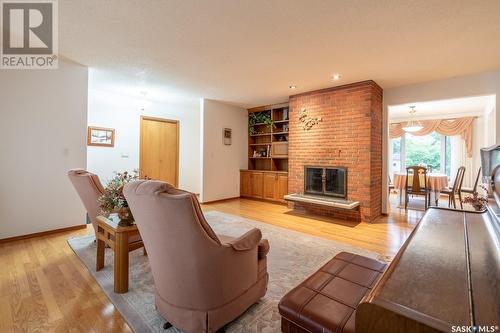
<point x="42" y="136"/>
<point x="465" y="86"/>
<point x="122" y="112"/>
<point x="221" y="163"/>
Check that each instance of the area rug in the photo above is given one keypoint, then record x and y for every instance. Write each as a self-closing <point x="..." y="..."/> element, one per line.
<point x="293" y="257"/>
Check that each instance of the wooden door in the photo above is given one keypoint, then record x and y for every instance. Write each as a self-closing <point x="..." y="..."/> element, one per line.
<point x="257" y="183"/>
<point x="245" y="184"/>
<point x="159" y="149"/>
<point x="281" y="187"/>
<point x="269" y="186"/>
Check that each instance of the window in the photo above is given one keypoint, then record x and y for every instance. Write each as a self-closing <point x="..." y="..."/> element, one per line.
<point x="424" y="150"/>
<point x="447" y="155"/>
<point x="396" y="155"/>
<point x="432" y="150"/>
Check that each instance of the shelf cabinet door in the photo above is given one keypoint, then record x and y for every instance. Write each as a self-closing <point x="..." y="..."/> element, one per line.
<point x="281" y="187"/>
<point x="279" y="149"/>
<point x="269" y="186"/>
<point x="257" y="184"/>
<point x="245" y="184"/>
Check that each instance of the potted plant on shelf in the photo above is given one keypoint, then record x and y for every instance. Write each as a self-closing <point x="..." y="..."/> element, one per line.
<point x="113" y="200"/>
<point x="259" y="118"/>
<point x="476" y="200"/>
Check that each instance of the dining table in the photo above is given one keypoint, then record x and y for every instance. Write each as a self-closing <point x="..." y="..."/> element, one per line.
<point x="436" y="182"/>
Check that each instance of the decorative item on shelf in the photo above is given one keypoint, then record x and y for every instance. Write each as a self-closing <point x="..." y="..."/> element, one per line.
<point x="255" y="153"/>
<point x="268" y="153"/>
<point x="285" y="114"/>
<point x="113" y="200"/>
<point x="100" y="136"/>
<point x="226" y="136"/>
<point x="476" y="200"/>
<point x="307" y="121"/>
<point x="281" y="138"/>
<point x="285" y="128"/>
<point x="263" y="153"/>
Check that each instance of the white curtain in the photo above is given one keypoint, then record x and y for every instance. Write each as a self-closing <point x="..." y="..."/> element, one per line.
<point x="459" y="158"/>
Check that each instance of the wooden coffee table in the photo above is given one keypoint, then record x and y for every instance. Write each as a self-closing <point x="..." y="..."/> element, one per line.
<point x="116" y="236"/>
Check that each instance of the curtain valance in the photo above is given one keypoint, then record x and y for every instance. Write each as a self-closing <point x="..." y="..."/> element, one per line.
<point x="448" y="127"/>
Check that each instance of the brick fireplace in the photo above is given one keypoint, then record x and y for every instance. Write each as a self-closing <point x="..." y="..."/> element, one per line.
<point x="348" y="136"/>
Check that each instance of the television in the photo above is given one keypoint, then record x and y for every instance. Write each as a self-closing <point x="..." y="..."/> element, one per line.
<point x="490" y="158"/>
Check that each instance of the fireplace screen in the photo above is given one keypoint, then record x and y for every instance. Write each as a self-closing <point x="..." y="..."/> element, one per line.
<point x="326" y="181"/>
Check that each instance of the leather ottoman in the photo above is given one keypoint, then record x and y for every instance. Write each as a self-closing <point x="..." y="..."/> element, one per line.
<point x="327" y="300"/>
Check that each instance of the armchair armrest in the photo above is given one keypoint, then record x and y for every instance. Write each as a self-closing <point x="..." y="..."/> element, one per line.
<point x="247" y="241"/>
<point x="263" y="248"/>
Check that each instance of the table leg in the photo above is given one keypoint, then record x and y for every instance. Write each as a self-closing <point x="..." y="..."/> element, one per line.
<point x="121" y="262"/>
<point x="434" y="197"/>
<point x="99" y="263"/>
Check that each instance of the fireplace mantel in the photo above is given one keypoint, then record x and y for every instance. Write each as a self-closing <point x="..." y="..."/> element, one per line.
<point x="322" y="201"/>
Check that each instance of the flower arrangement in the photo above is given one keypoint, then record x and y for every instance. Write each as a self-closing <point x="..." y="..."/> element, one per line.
<point x="113" y="200"/>
<point x="476" y="200"/>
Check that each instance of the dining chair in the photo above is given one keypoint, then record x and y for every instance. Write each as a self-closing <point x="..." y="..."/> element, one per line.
<point x="415" y="188"/>
<point x="456" y="189"/>
<point x="474" y="189"/>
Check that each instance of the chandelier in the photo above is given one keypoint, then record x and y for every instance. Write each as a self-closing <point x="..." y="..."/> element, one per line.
<point x="412" y="125"/>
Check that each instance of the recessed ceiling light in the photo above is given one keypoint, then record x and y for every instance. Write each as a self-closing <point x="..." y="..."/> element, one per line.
<point x="335" y="77"/>
<point x="292" y="86"/>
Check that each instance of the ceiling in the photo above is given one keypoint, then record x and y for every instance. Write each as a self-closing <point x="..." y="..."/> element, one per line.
<point x="443" y="109"/>
<point x="248" y="52"/>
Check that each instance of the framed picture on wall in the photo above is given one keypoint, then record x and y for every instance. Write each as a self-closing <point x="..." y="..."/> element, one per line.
<point x="100" y="136"/>
<point x="227" y="134"/>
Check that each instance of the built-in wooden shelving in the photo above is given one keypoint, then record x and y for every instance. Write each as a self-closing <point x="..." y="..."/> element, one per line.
<point x="268" y="144"/>
<point x="267" y="174"/>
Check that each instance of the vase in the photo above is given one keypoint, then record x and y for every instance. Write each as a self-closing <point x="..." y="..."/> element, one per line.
<point x="125" y="215"/>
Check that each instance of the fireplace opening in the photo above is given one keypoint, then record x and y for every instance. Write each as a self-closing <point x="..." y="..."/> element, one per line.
<point x="326" y="181"/>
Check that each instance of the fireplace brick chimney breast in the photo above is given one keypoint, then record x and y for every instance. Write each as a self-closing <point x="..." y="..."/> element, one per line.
<point x="349" y="135"/>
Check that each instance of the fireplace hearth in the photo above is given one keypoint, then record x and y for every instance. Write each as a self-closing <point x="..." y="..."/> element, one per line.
<point x="325" y="181"/>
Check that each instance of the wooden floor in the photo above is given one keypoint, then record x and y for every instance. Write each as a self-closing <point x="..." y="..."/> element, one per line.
<point x="45" y="288"/>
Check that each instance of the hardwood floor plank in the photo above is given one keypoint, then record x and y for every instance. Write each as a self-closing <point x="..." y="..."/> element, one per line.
<point x="54" y="315"/>
<point x="6" y="322"/>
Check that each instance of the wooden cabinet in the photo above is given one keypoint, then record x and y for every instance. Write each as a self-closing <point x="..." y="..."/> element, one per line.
<point x="245" y="184"/>
<point x="269" y="186"/>
<point x="257" y="184"/>
<point x="266" y="185"/>
<point x="267" y="174"/>
<point x="282" y="187"/>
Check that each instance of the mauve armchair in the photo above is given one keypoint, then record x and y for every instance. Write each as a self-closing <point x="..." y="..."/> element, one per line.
<point x="89" y="189"/>
<point x="202" y="280"/>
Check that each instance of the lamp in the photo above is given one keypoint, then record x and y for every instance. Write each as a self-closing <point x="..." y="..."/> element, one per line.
<point x="412" y="125"/>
